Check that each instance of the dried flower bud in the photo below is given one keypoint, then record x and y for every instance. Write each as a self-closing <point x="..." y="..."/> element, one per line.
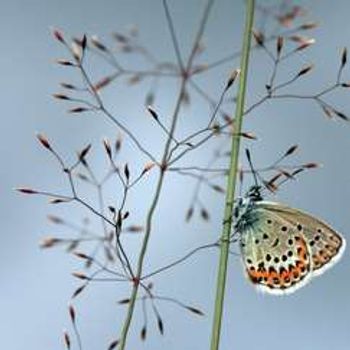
<point x="287" y="18"/>
<point x="50" y="242"/>
<point x="189" y="214"/>
<point x="113" y="344"/>
<point x="83" y="177"/>
<point x="291" y="150"/>
<point x="259" y="37"/>
<point x="84" y="153"/>
<point x="143" y="333"/>
<point x="204" y="214"/>
<point x="82" y="256"/>
<point x="103" y="83"/>
<point x="97" y="43"/>
<point x="119" y="221"/>
<point x="279" y="45"/>
<point x="64" y="62"/>
<point x="328" y="111"/>
<point x="248" y="135"/>
<point x="160" y="325"/>
<point x="59" y="200"/>
<point x="80" y="275"/>
<point x="112" y="209"/>
<point x="78" y="290"/>
<point x="195" y="310"/>
<point x="344" y="57"/>
<point x="61" y="97"/>
<point x="68" y="86"/>
<point x="134" y="228"/>
<point x="227" y="119"/>
<point x="309" y="25"/>
<point x="83" y="42"/>
<point x="136" y="78"/>
<point x="149" y="99"/>
<point x="127" y="172"/>
<point x="305" y="44"/>
<point x="341" y="115"/>
<point x="234" y="74"/>
<point x="217" y="188"/>
<point x="58" y="35"/>
<point x="72" y="313"/>
<point x="108" y="148"/>
<point x="78" y="110"/>
<point x="311" y="165"/>
<point x="44" y="141"/>
<point x="66" y="340"/>
<point x="120" y="38"/>
<point x="26" y="190"/>
<point x="152" y="112"/>
<point x="72" y="245"/>
<point x="118" y="143"/>
<point x="298" y="38"/>
<point x="76" y="51"/>
<point x="124" y="301"/>
<point x="55" y="219"/>
<point x="305" y="70"/>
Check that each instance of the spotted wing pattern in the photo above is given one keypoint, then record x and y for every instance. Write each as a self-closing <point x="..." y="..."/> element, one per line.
<point x="275" y="253"/>
<point x="326" y="245"/>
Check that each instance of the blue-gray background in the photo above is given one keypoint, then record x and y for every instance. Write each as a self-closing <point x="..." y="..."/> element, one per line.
<point x="35" y="286"/>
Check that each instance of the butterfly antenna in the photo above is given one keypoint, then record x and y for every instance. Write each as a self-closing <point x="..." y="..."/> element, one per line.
<point x="255" y="175"/>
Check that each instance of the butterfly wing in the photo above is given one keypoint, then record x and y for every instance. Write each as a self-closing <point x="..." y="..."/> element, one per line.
<point x="275" y="253"/>
<point x="326" y="245"/>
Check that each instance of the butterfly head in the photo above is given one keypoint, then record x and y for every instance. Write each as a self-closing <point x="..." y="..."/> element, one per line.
<point x="244" y="208"/>
<point x="254" y="193"/>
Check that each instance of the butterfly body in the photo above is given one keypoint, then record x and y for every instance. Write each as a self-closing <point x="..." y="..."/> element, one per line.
<point x="282" y="248"/>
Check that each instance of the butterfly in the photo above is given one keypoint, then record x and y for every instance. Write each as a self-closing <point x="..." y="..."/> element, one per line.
<point x="283" y="248"/>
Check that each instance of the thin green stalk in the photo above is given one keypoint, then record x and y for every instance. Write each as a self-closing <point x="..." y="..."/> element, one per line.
<point x="231" y="181"/>
<point x="163" y="168"/>
<point x="148" y="228"/>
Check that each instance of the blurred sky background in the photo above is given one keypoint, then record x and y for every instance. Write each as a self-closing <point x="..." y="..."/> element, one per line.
<point x="36" y="285"/>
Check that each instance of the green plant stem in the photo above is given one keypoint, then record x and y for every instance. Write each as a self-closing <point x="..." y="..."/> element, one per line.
<point x="231" y="181"/>
<point x="163" y="167"/>
<point x="148" y="228"/>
